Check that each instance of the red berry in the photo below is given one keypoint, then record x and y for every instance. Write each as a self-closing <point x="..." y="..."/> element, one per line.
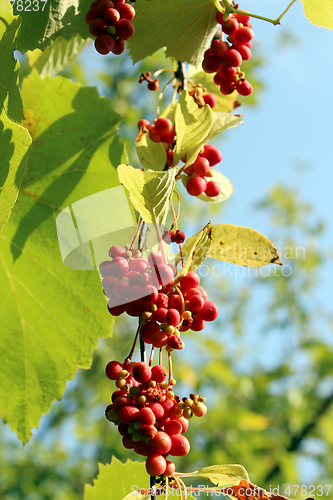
<point x="184" y="423"/>
<point x="190" y="280"/>
<point x="244" y="51"/>
<point x="104" y="5"/>
<point x="91" y="15"/>
<point x="126" y="11"/>
<point x="242" y="18"/>
<point x="196" y="303"/>
<point x="209" y="311"/>
<point x="175" y="302"/>
<point x="159" y="339"/>
<point x="211" y="64"/>
<point x="244" y="88"/>
<point x="116" y="310"/>
<point x="159" y="373"/>
<point x="112" y="369"/>
<point x="233" y="58"/>
<point x="139" y="265"/>
<point x="146" y="416"/>
<point x="212" y="154"/>
<point x="173" y="427"/>
<point x="170" y="468"/>
<point x="227" y="72"/>
<point x="149" y="294"/>
<point x="213" y="189"/>
<point x="111" y="16"/>
<point x="128" y="443"/>
<point x="141" y="372"/>
<point x="197" y="324"/>
<point x="243" y="35"/>
<point x="173" y="317"/>
<point x="168" y="136"/>
<point x="162" y="300"/>
<point x="209" y="99"/>
<point x="155" y="464"/>
<point x="219" y="48"/>
<point x="142" y="448"/>
<point x="180" y="446"/>
<point x="153" y="85"/>
<point x="161" y="443"/>
<point x="230" y="26"/>
<point x="97" y="27"/>
<point x="125" y="29"/>
<point x="227" y="87"/>
<point x="148" y="329"/>
<point x="196" y="186"/>
<point x="144" y="123"/>
<point x="157" y="409"/>
<point x="199" y="409"/>
<point x="119" y="265"/>
<point x="116" y="251"/>
<point x="155" y="259"/>
<point x="119" y="47"/>
<point x="128" y="414"/>
<point x="170" y="157"/>
<point x="163" y="125"/>
<point x="175" y="342"/>
<point x="201" y="165"/>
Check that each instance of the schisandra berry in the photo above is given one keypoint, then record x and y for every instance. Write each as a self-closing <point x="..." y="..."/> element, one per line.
<point x="155" y="464"/>
<point x="210" y="99"/>
<point x="196" y="185"/>
<point x="213" y="189"/>
<point x="141" y="372"/>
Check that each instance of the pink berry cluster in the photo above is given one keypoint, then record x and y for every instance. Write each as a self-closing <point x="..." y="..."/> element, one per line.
<point x="111" y="22"/>
<point x="225" y="58"/>
<point x="163" y="131"/>
<point x="150" y="417"/>
<point x="199" y="173"/>
<point x="144" y="289"/>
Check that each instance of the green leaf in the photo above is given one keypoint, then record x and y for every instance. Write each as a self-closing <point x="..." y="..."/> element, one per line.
<point x="53" y="18"/>
<point x="116" y="481"/>
<point x="216" y="176"/>
<point x="185" y="28"/>
<point x="192" y="127"/>
<point x="51" y="316"/>
<point x="57" y="56"/>
<point x="224" y="103"/>
<point x="320" y="14"/>
<point x="242" y="246"/>
<point x="221" y="475"/>
<point x="194" y="251"/>
<point x="222" y="121"/>
<point x="10" y="98"/>
<point x="150" y="192"/>
<point x="152" y="155"/>
<point x="14" y="144"/>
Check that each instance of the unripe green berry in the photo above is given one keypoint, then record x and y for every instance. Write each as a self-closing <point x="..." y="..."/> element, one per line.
<point x="136" y="436"/>
<point x="130" y="429"/>
<point x="142" y="399"/>
<point x="135" y="391"/>
<point x="137" y="425"/>
<point x="120" y="382"/>
<point x="111" y="30"/>
<point x="181" y="405"/>
<point x="188" y="402"/>
<point x="187" y="413"/>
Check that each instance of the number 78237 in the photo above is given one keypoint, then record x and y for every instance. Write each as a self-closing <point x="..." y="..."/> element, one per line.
<point x="28" y="5"/>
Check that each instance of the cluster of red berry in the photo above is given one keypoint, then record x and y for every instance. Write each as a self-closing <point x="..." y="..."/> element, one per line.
<point x="173" y="237"/>
<point x="163" y="131"/>
<point x="153" y="83"/>
<point x="199" y="171"/>
<point x="225" y="58"/>
<point x="131" y="283"/>
<point x="149" y="416"/>
<point x="111" y="22"/>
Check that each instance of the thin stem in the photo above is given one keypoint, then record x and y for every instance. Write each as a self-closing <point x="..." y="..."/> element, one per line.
<point x="170" y="365"/>
<point x="152" y="487"/>
<point x="158" y="72"/>
<point x="142" y="348"/>
<point x="178" y="212"/>
<point x="174" y="215"/>
<point x="142" y="236"/>
<point x="229" y="9"/>
<point x="160" y="356"/>
<point x="140" y="221"/>
<point x="161" y="95"/>
<point x="151" y="355"/>
<point x="135" y="341"/>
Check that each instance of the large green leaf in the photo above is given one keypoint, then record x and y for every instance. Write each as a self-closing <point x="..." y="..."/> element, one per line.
<point x="150" y="192"/>
<point x="192" y="127"/>
<point x="184" y="27"/>
<point x="319" y="13"/>
<point x="14" y="144"/>
<point x="222" y="121"/>
<point x="51" y="317"/>
<point x="220" y="475"/>
<point x="10" y="98"/>
<point x="242" y="245"/>
<point x="56" y="57"/>
<point x="47" y="20"/>
<point x="151" y="154"/>
<point x="194" y="251"/>
<point x="216" y="176"/>
<point x="116" y="481"/>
